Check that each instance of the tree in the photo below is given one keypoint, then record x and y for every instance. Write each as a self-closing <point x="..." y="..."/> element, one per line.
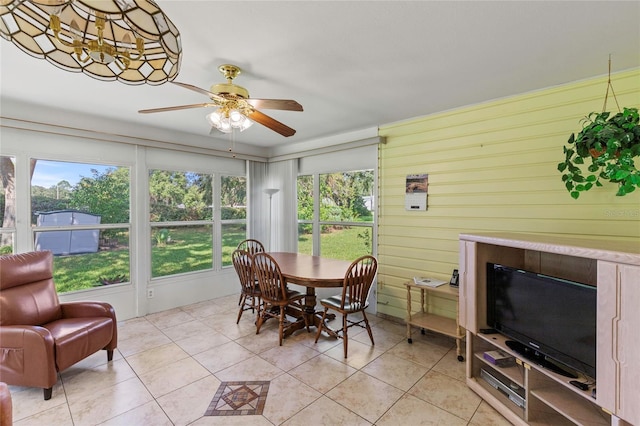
<point x="233" y="191"/>
<point x="63" y="188"/>
<point x="105" y="194"/>
<point x="8" y="174"/>
<point x="179" y="196"/>
<point x="305" y="197"/>
<point x="342" y="195"/>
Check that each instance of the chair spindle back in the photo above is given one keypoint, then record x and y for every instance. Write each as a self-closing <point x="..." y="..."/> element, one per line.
<point x="243" y="263"/>
<point x="357" y="282"/>
<point x="272" y="284"/>
<point x="251" y="246"/>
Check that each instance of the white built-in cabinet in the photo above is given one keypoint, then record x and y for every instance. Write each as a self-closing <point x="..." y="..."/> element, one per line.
<point x="614" y="268"/>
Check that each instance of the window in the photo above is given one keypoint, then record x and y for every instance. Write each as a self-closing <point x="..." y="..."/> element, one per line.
<point x="181" y="220"/>
<point x="80" y="212"/>
<point x="233" y="214"/>
<point x="344" y="212"/>
<point x="305" y="214"/>
<point x="7" y="204"/>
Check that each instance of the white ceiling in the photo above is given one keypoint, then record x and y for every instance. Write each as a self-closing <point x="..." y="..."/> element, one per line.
<point x="353" y="65"/>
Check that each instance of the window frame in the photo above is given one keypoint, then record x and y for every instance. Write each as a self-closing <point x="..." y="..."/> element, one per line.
<point x="317" y="224"/>
<point x="34" y="229"/>
<point x="188" y="223"/>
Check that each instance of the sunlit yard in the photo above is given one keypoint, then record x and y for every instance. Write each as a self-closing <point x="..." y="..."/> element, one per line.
<point x="189" y="249"/>
<point x="346" y="243"/>
<point x="71" y="275"/>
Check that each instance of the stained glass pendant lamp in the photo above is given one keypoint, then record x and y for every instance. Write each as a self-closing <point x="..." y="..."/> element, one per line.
<point x="131" y="41"/>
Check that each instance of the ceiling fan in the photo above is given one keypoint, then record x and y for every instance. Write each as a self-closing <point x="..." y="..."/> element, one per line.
<point x="235" y="110"/>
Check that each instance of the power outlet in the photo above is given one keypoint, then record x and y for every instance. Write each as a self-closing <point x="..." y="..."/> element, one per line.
<point x="150" y="293"/>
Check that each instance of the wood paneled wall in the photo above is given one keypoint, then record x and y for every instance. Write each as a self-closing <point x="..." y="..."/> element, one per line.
<point x="492" y="167"/>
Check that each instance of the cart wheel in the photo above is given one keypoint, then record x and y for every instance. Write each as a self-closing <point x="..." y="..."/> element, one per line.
<point x="410" y="340"/>
<point x="460" y="358"/>
<point x="422" y="331"/>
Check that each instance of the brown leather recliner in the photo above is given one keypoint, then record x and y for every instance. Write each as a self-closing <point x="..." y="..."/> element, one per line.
<point x="6" y="405"/>
<point x="39" y="336"/>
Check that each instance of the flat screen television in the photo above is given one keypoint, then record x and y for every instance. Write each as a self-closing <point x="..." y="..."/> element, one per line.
<point x="548" y="318"/>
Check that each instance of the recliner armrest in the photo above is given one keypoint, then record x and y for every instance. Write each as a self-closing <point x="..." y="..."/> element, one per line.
<point x="27" y="356"/>
<point x="87" y="309"/>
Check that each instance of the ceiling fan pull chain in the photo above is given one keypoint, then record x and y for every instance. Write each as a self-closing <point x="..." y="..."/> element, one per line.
<point x="232" y="147"/>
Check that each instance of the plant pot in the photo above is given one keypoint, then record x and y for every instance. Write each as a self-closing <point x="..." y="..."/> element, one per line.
<point x="597" y="153"/>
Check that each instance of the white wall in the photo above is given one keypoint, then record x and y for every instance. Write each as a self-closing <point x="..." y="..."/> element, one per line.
<point x="60" y="144"/>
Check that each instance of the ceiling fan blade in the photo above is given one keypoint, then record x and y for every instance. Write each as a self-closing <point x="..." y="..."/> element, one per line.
<point x="175" y="108"/>
<point x="212" y="95"/>
<point x="271" y="123"/>
<point x="284" y="104"/>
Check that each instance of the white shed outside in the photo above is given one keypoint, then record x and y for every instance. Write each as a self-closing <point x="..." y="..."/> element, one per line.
<point x="68" y="242"/>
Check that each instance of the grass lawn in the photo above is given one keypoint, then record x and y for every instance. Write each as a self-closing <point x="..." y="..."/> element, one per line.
<point x="82" y="271"/>
<point x="190" y="249"/>
<point x="347" y="243"/>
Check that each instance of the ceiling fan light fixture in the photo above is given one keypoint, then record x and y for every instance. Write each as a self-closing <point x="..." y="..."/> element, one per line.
<point x="246" y="123"/>
<point x="131" y="41"/>
<point x="236" y="117"/>
<point x="226" y="120"/>
<point x="225" y="126"/>
<point x="215" y="119"/>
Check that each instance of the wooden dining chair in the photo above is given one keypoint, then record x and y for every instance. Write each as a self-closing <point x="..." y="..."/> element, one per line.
<point x="276" y="297"/>
<point x="252" y="247"/>
<point x="249" y="288"/>
<point x="353" y="299"/>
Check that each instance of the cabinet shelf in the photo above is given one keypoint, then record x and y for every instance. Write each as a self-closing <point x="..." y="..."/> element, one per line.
<point x="430" y="321"/>
<point x="514" y="373"/>
<point x="572" y="406"/>
<point x="436" y="323"/>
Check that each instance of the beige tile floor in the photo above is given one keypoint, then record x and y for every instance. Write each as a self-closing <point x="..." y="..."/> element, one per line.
<point x="169" y="365"/>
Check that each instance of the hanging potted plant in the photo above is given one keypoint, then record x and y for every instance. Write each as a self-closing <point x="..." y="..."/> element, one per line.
<point x="608" y="145"/>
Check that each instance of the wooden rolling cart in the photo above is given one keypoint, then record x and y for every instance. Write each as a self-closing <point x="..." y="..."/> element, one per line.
<point x="428" y="321"/>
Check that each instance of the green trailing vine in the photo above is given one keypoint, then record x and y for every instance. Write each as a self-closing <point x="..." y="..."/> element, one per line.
<point x="607" y="145"/>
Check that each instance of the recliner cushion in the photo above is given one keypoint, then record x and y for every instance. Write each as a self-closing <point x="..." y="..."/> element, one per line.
<point x="77" y="338"/>
<point x="28" y="294"/>
<point x="23" y="268"/>
<point x="30" y="304"/>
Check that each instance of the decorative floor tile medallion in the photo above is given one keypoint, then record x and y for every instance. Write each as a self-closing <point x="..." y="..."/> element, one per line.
<point x="238" y="399"/>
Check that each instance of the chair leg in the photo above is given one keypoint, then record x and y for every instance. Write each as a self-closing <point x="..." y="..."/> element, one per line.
<point x="109" y="355"/>
<point x="243" y="299"/>
<point x="47" y="393"/>
<point x="259" y="303"/>
<point x="324" y="314"/>
<point x="281" y="324"/>
<point x="345" y="338"/>
<point x="260" y="318"/>
<point x="366" y="322"/>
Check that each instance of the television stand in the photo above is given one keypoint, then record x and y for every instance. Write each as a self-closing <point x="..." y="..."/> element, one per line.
<point x="538" y="358"/>
<point x="614" y="268"/>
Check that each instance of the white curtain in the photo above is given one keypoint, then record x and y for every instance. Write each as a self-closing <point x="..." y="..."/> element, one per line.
<point x="258" y="206"/>
<point x="274" y="222"/>
<point x="284" y="217"/>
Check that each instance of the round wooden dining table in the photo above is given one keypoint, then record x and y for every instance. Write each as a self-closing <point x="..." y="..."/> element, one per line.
<point x="312" y="272"/>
